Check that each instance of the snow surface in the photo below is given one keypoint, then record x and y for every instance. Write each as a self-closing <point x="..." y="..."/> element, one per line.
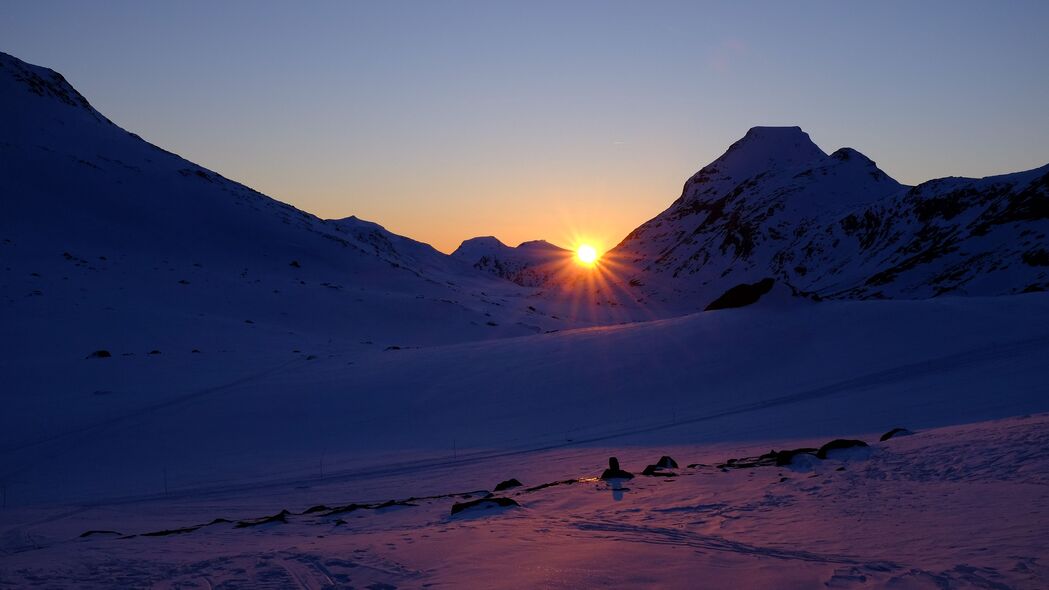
<point x="262" y="359"/>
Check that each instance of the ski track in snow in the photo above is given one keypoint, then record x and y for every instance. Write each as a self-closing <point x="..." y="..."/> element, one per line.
<point x="932" y="366"/>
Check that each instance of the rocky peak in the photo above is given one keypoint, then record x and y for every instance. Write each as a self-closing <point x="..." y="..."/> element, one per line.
<point x="766" y="148"/>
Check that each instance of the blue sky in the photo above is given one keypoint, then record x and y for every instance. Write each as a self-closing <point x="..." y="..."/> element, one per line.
<point x="524" y="120"/>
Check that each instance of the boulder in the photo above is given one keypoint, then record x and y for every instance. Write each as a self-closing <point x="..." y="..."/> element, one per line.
<point x="483" y="504"/>
<point x="654" y="471"/>
<point x="838" y="443"/>
<point x="784" y="458"/>
<point x="99" y="354"/>
<point x="742" y="295"/>
<point x="895" y="432"/>
<point x="665" y="462"/>
<point x="505" y="485"/>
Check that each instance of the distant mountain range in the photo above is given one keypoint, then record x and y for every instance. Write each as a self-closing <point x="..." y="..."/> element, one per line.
<point x="97" y="218"/>
<point x="531" y="264"/>
<point x="775" y="206"/>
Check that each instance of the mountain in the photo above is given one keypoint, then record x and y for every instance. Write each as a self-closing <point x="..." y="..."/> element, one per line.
<point x="286" y="401"/>
<point x="775" y="206"/>
<point x="531" y="264"/>
<point x="103" y="231"/>
<point x="956" y="236"/>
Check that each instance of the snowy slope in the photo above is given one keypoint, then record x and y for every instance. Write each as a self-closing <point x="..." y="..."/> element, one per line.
<point x="776" y="206"/>
<point x="954" y="235"/>
<point x="111" y="243"/>
<point x="689" y="379"/>
<point x="922" y="512"/>
<point x="958" y="507"/>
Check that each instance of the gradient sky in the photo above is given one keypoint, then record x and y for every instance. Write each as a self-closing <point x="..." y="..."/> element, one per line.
<point x="526" y="120"/>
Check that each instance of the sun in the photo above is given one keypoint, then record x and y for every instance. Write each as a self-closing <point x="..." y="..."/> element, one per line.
<point x="586" y="254"/>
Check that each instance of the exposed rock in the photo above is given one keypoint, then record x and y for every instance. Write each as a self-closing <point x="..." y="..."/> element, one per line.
<point x="784" y="458"/>
<point x="93" y="533"/>
<point x="769" y="459"/>
<point x="894" y="433"/>
<point x="483" y="504"/>
<point x="837" y="444"/>
<point x="99" y="354"/>
<point x="666" y="462"/>
<point x="505" y="485"/>
<point x="742" y="295"/>
<point x="654" y="471"/>
<point x="543" y="486"/>
<point x="280" y="517"/>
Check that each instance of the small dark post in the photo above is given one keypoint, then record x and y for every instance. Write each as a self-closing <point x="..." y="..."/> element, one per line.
<point x="614" y="472"/>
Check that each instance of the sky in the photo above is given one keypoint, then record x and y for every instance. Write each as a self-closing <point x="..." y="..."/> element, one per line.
<point x="564" y="121"/>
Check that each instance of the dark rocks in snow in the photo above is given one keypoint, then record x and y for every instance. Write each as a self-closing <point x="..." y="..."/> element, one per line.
<point x="665" y="462"/>
<point x="93" y="533"/>
<point x="483" y="504"/>
<point x="505" y="485"/>
<point x="170" y="532"/>
<point x="154" y="352"/>
<point x="280" y="517"/>
<point x="326" y="511"/>
<point x="100" y="354"/>
<point x="894" y="433"/>
<point x="654" y="471"/>
<point x="742" y="295"/>
<point x="769" y="459"/>
<point x="1039" y="257"/>
<point x="543" y="486"/>
<point x="786" y="457"/>
<point x="837" y="444"/>
<point x="294" y="264"/>
<point x="614" y="472"/>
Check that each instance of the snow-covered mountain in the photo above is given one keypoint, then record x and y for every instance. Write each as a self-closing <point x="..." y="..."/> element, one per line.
<point x="958" y="236"/>
<point x="102" y="230"/>
<point x="531" y="264"/>
<point x="286" y="401"/>
<point x="776" y="206"/>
